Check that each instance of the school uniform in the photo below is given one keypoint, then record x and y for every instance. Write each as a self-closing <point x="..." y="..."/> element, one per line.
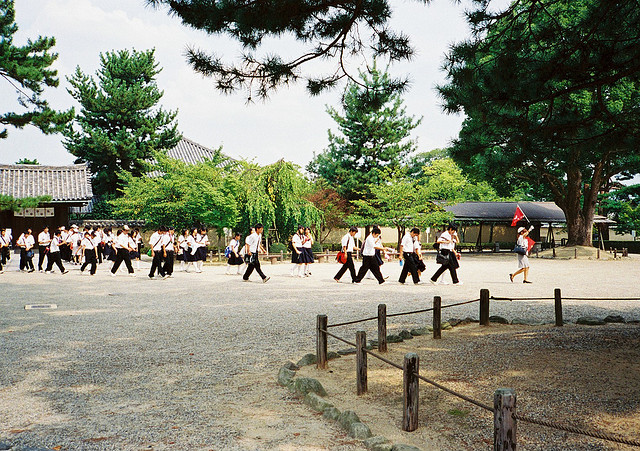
<point x="348" y="243"/>
<point x="122" y="253"/>
<point x="410" y="259"/>
<point x="109" y="251"/>
<point x="307" y="254"/>
<point x="99" y="245"/>
<point x="253" y="241"/>
<point x="192" y="247"/>
<point x="369" y="261"/>
<point x="296" y="243"/>
<point x="202" y="241"/>
<point x="417" y="249"/>
<point x="157" y="244"/>
<point x="54" y="254"/>
<point x="447" y="250"/>
<point x="90" y="257"/>
<point x="235" y="259"/>
<point x="26" y="244"/>
<point x="182" y="248"/>
<point x="43" y="247"/>
<point x="169" y="247"/>
<point x="5" y="252"/>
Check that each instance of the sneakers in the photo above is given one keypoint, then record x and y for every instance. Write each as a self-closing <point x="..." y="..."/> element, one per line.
<point x="526" y="281"/>
<point x="150" y="276"/>
<point x="113" y="274"/>
<point x="31" y="270"/>
<point x="132" y="274"/>
<point x="266" y="279"/>
<point x="337" y="280"/>
<point x="433" y="282"/>
<point x="65" y="271"/>
<point x="165" y="277"/>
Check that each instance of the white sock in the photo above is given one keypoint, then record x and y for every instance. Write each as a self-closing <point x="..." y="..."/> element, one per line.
<point x="293" y="269"/>
<point x="306" y="268"/>
<point x="137" y="264"/>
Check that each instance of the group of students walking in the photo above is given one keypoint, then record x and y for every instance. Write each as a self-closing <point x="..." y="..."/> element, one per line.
<point x="410" y="254"/>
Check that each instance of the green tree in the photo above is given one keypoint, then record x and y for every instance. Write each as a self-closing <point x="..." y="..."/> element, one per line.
<point x="623" y="206"/>
<point x="374" y="138"/>
<point x="332" y="30"/>
<point x="399" y="202"/>
<point x="276" y="196"/>
<point x="13" y="204"/>
<point x="27" y="161"/>
<point x="202" y="194"/>
<point x="28" y="70"/>
<point x="551" y="92"/>
<point x="120" y="124"/>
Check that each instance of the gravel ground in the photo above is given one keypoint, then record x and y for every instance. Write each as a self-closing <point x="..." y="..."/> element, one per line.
<point x="190" y="362"/>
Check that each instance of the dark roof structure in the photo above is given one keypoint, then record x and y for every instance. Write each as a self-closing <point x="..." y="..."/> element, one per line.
<point x="536" y="212"/>
<point x="65" y="184"/>
<point x="187" y="151"/>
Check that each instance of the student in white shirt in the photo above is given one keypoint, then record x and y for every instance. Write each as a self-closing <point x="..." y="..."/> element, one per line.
<point x="54" y="253"/>
<point x="369" y="260"/>
<point x="348" y="246"/>
<point x="296" y="252"/>
<point x="307" y="243"/>
<point x="192" y="248"/>
<point x="25" y="243"/>
<point x="5" y="244"/>
<point x="183" y="247"/>
<point x="408" y="256"/>
<point x="234" y="257"/>
<point x="202" y="243"/>
<point x="158" y="252"/>
<point x="170" y="252"/>
<point x="447" y="244"/>
<point x="123" y="247"/>
<point x="253" y="248"/>
<point x="44" y="239"/>
<point x="88" y="246"/>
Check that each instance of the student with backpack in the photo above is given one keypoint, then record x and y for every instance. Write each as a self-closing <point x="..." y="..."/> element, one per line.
<point x="232" y="253"/>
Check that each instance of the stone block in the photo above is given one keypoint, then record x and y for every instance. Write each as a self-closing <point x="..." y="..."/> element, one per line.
<point x="403" y="447"/>
<point x="316" y="402"/>
<point x="347" y="418"/>
<point x="359" y="431"/>
<point x="331" y="413"/>
<point x="285" y="376"/>
<point x="304" y="385"/>
<point x="590" y="321"/>
<point x="308" y="359"/>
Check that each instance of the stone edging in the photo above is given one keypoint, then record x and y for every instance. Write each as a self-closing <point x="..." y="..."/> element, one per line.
<point x="313" y="393"/>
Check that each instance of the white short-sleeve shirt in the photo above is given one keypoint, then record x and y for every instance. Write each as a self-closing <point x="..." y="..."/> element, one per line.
<point x="348" y="242"/>
<point x="369" y="248"/>
<point x="254" y="241"/>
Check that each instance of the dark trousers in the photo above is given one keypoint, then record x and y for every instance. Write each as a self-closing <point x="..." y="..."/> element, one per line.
<point x="251" y="266"/>
<point x="409" y="266"/>
<point x="25" y="262"/>
<point x="54" y="257"/>
<point x="347" y="265"/>
<point x="370" y="263"/>
<point x="122" y="255"/>
<point x="42" y="251"/>
<point x="89" y="259"/>
<point x="100" y="252"/>
<point x="6" y="255"/>
<point x="168" y="263"/>
<point x="157" y="264"/>
<point x="451" y="265"/>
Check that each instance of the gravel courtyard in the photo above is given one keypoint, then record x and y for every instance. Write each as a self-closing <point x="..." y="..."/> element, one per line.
<point x="189" y="363"/>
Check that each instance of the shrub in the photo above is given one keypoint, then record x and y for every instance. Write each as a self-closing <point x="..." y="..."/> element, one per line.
<point x="276" y="248"/>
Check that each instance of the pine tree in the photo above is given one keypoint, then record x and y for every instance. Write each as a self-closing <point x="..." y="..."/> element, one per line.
<point x="120" y="124"/>
<point x="27" y="69"/>
<point x="374" y="137"/>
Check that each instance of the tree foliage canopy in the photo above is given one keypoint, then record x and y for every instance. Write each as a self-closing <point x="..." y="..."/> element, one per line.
<point x="120" y="124"/>
<point x="203" y="194"/>
<point x="334" y="30"/>
<point x="551" y="91"/>
<point x="374" y="139"/>
<point x="28" y="70"/>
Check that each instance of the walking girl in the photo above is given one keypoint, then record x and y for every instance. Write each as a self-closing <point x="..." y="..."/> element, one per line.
<point x="54" y="253"/>
<point x="297" y="252"/>
<point x="523" y="259"/>
<point x="202" y="243"/>
<point x="307" y="243"/>
<point x="235" y="260"/>
<point x="183" y="248"/>
<point x="89" y="254"/>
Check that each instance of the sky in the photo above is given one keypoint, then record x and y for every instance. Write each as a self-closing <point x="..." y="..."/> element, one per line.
<point x="291" y="124"/>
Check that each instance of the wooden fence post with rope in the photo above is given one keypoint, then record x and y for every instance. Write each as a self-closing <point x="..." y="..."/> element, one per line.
<point x="361" y="362"/>
<point x="321" y="342"/>
<point x="382" y="327"/>
<point x="437" y="317"/>
<point x="484" y="307"/>
<point x="410" y="399"/>
<point x="558" y="306"/>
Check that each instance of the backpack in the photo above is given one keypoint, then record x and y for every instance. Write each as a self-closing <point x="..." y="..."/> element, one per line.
<point x="227" y="252"/>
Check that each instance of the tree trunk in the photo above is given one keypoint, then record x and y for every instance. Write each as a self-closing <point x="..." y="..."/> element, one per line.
<point x="579" y="204"/>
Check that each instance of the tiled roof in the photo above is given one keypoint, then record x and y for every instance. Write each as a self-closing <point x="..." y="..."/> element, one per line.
<point x="503" y="211"/>
<point x="187" y="151"/>
<point x="63" y="183"/>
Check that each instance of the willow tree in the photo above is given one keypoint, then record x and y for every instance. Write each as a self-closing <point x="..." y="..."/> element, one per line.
<point x="276" y="196"/>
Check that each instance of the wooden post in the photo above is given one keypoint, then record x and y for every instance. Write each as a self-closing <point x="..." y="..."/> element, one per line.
<point x="361" y="361"/>
<point x="504" y="425"/>
<point x="598" y="253"/>
<point x="484" y="307"/>
<point x="382" y="327"/>
<point x="615" y="254"/>
<point x="575" y="253"/>
<point x="558" y="296"/>
<point x="281" y="256"/>
<point x="410" y="400"/>
<point x="321" y="342"/>
<point x="554" y="252"/>
<point x="437" y="318"/>
<point x="625" y="252"/>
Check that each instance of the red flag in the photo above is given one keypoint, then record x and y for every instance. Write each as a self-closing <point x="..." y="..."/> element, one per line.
<point x="518" y="216"/>
<point x="530" y="244"/>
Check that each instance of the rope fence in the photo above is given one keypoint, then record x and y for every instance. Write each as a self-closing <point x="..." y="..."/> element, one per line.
<point x="504" y="409"/>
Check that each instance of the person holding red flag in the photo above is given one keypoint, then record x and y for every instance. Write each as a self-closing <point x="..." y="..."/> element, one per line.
<point x="518" y="216"/>
<point x="523" y="260"/>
